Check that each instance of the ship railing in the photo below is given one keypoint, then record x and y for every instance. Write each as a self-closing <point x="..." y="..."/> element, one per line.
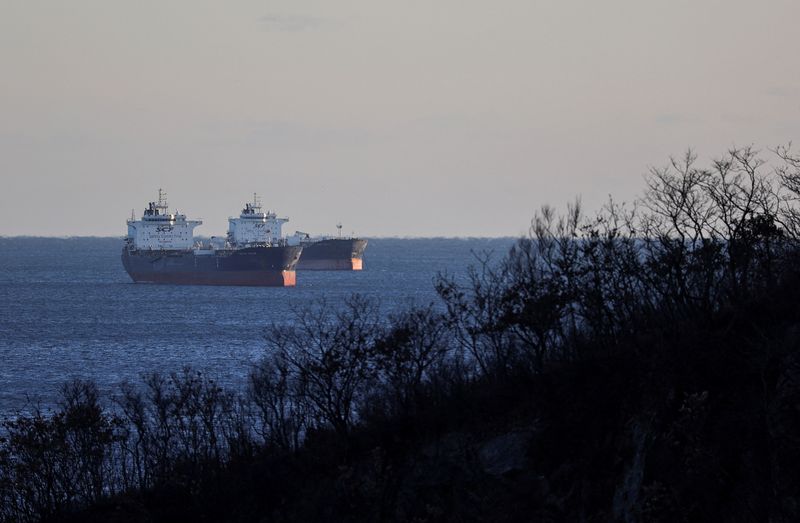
<point x="274" y="242"/>
<point x="328" y="237"/>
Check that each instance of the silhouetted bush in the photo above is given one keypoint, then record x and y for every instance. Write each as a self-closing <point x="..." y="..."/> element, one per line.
<point x="54" y="463"/>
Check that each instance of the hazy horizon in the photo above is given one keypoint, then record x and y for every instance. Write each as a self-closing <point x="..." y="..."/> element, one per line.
<point x="453" y="119"/>
<point x="203" y="236"/>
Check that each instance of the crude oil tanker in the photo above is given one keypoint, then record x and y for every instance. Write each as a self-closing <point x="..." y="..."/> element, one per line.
<point x="160" y="248"/>
<point x="332" y="254"/>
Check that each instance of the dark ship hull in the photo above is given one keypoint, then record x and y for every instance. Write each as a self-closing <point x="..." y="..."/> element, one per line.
<point x="334" y="254"/>
<point x="259" y="266"/>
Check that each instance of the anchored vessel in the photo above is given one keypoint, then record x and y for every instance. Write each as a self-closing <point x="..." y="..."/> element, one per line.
<point x="324" y="254"/>
<point x="160" y="248"/>
<point x="332" y="254"/>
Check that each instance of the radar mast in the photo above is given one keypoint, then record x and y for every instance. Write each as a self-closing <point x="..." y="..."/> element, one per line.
<point x="162" y="202"/>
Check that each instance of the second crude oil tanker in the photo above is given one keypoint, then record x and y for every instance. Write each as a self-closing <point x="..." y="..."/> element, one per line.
<point x="319" y="253"/>
<point x="331" y="254"/>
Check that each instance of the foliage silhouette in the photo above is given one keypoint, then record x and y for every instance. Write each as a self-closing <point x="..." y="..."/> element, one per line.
<point x="641" y="364"/>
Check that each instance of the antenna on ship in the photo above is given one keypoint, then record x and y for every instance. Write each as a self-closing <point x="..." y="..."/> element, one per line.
<point x="133" y="215"/>
<point x="339" y="226"/>
<point x="256" y="203"/>
<point x="162" y="201"/>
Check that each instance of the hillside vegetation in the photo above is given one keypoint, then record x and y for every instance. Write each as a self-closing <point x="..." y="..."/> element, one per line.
<point x="639" y="364"/>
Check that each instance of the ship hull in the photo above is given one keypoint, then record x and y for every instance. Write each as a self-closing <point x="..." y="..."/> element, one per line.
<point x="252" y="266"/>
<point x="335" y="254"/>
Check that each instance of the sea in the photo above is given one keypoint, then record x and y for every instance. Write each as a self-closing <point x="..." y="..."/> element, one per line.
<point x="68" y="310"/>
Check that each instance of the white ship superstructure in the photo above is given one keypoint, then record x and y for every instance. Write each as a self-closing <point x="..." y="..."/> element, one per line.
<point x="254" y="226"/>
<point x="161" y="230"/>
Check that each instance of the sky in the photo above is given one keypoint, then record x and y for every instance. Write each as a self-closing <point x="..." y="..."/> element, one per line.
<point x="414" y="118"/>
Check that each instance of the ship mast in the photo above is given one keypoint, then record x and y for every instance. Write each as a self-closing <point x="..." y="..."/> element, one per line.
<point x="339" y="226"/>
<point x="162" y="202"/>
<point x="256" y="202"/>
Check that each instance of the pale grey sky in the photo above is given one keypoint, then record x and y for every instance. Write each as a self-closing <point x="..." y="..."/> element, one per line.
<point x="414" y="118"/>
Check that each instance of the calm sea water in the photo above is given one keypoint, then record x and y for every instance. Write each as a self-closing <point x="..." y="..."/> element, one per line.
<point x="68" y="309"/>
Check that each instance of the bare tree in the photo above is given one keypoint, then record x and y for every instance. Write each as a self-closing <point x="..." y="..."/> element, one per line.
<point x="273" y="389"/>
<point x="330" y="354"/>
<point x="413" y="346"/>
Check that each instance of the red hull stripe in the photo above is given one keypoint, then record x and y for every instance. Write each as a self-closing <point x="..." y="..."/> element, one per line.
<point x="251" y="278"/>
<point x="352" y="264"/>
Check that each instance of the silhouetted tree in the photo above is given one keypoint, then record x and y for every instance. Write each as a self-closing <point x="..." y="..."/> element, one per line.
<point x="329" y="353"/>
<point x="275" y="392"/>
<point x="411" y="349"/>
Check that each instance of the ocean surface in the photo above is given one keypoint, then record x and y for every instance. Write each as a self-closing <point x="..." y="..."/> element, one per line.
<point x="68" y="310"/>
